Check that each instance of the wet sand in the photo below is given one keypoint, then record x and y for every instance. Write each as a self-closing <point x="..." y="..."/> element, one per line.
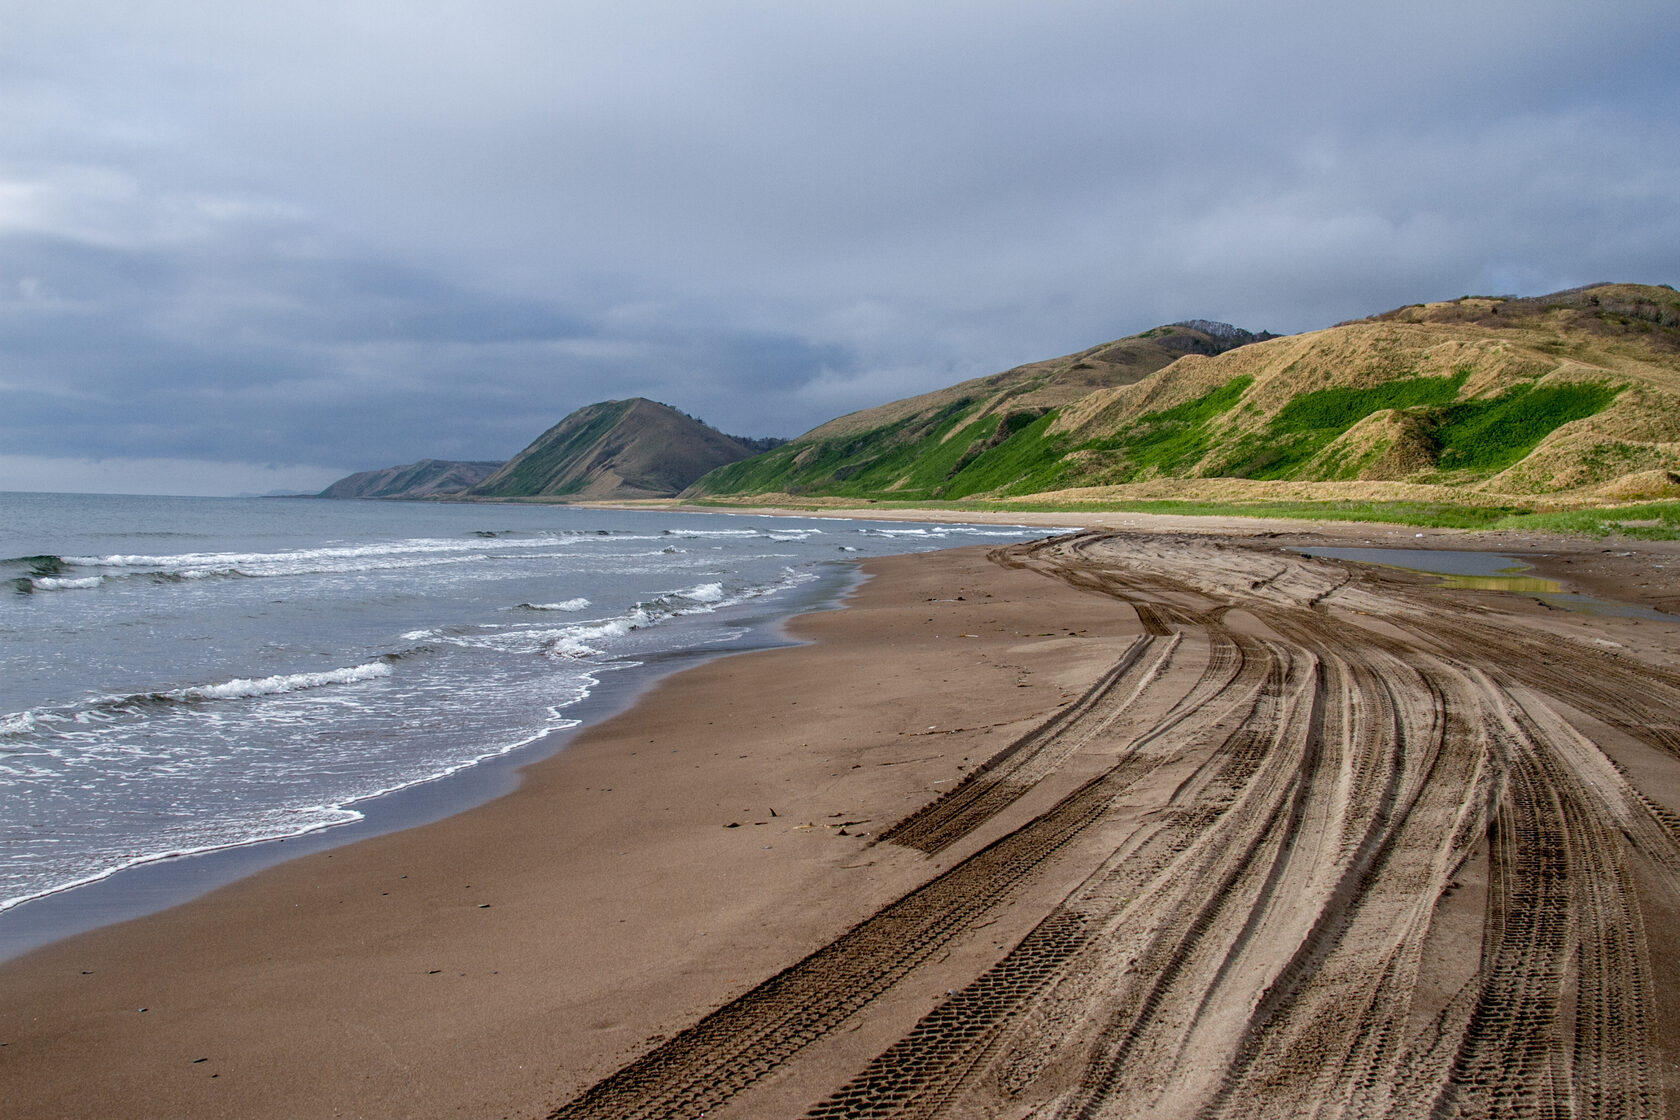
<point x="1144" y="823"/>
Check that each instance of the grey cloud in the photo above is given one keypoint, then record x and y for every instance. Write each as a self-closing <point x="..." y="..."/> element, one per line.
<point x="228" y="230"/>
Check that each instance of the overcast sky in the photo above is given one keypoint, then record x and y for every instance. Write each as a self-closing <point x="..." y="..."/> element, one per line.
<point x="247" y="247"/>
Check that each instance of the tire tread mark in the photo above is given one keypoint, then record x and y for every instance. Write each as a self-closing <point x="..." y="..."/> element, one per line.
<point x="1004" y="777"/>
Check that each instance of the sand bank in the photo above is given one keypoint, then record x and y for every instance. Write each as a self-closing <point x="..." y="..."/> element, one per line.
<point x="1255" y="833"/>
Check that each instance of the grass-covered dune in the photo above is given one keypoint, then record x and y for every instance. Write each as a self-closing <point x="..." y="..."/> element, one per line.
<point x="1564" y="401"/>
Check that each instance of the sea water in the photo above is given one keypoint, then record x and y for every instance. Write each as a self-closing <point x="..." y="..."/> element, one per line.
<point x="181" y="675"/>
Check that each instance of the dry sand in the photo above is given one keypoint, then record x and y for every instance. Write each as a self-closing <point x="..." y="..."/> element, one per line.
<point x="1254" y="835"/>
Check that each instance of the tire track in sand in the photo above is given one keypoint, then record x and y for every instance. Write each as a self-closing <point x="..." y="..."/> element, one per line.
<point x="1256" y="942"/>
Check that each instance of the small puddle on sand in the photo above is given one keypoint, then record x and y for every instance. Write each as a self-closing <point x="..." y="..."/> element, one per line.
<point x="1486" y="571"/>
<point x="1503" y="583"/>
<point x="1479" y="571"/>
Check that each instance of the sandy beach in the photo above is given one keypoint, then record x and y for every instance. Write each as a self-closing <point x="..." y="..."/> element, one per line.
<point x="1143" y="822"/>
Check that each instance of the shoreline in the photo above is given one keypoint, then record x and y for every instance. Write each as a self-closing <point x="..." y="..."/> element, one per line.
<point x="724" y="827"/>
<point x="437" y="963"/>
<point x="166" y="881"/>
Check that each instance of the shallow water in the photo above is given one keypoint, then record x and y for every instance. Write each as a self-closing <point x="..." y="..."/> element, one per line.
<point x="185" y="675"/>
<point x="1487" y="571"/>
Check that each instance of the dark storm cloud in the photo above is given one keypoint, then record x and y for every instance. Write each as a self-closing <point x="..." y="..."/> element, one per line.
<point x="340" y="236"/>
<point x="297" y="360"/>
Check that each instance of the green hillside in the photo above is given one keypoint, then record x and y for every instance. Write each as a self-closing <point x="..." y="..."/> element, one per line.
<point x="1574" y="396"/>
<point x="975" y="437"/>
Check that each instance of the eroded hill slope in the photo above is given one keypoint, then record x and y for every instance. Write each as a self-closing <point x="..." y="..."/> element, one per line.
<point x="1575" y="394"/>
<point x="615" y="449"/>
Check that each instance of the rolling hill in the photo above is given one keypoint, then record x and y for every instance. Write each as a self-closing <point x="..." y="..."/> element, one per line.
<point x="1574" y="395"/>
<point x="924" y="445"/>
<point x="634" y="448"/>
<point x="429" y="478"/>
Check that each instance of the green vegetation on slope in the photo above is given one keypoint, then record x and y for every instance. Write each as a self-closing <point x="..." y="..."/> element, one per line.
<point x="911" y="456"/>
<point x="1380" y="401"/>
<point x="950" y="456"/>
<point x="1491" y="434"/>
<point x="535" y="470"/>
<point x="987" y="434"/>
<point x="1481" y="436"/>
<point x="1172" y="441"/>
<point x="1337" y="410"/>
<point x="1025" y="460"/>
<point x="1311" y="421"/>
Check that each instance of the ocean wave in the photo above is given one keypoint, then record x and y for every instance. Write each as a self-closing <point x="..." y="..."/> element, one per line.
<point x="594" y="638"/>
<point x="245" y="688"/>
<point x="83" y="583"/>
<point x="186" y="575"/>
<point x="405" y="654"/>
<point x="28" y="574"/>
<point x="18" y="723"/>
<point x="41" y="565"/>
<point x="106" y="709"/>
<point x="570" y="606"/>
<point x="282" y="822"/>
<point x="704" y="593"/>
<point x="381" y="556"/>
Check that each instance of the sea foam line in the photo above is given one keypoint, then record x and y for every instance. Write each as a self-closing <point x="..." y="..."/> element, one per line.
<point x="337" y="813"/>
<point x="14" y="724"/>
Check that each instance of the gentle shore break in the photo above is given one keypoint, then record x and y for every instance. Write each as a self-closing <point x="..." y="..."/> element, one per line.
<point x="1108" y="825"/>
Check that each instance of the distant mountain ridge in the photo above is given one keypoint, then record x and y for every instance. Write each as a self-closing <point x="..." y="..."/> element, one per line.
<point x="1479" y="399"/>
<point x="626" y="449"/>
<point x="429" y="478"/>
<point x="634" y="448"/>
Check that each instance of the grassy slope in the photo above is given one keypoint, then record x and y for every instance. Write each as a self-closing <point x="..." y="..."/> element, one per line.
<point x="548" y="465"/>
<point x="967" y="439"/>
<point x="1566" y="400"/>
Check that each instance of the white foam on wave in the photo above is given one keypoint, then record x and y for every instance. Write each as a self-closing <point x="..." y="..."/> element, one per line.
<point x="569" y="606"/>
<point x="54" y="583"/>
<point x="287" y="822"/>
<point x="160" y="738"/>
<point x="111" y="709"/>
<point x="19" y="723"/>
<point x="574" y="641"/>
<point x="245" y="688"/>
<point x="594" y="637"/>
<point x="410" y="552"/>
<point x="720" y="534"/>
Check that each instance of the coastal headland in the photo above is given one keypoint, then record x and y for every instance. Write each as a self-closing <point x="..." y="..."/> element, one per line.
<point x="1158" y="819"/>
